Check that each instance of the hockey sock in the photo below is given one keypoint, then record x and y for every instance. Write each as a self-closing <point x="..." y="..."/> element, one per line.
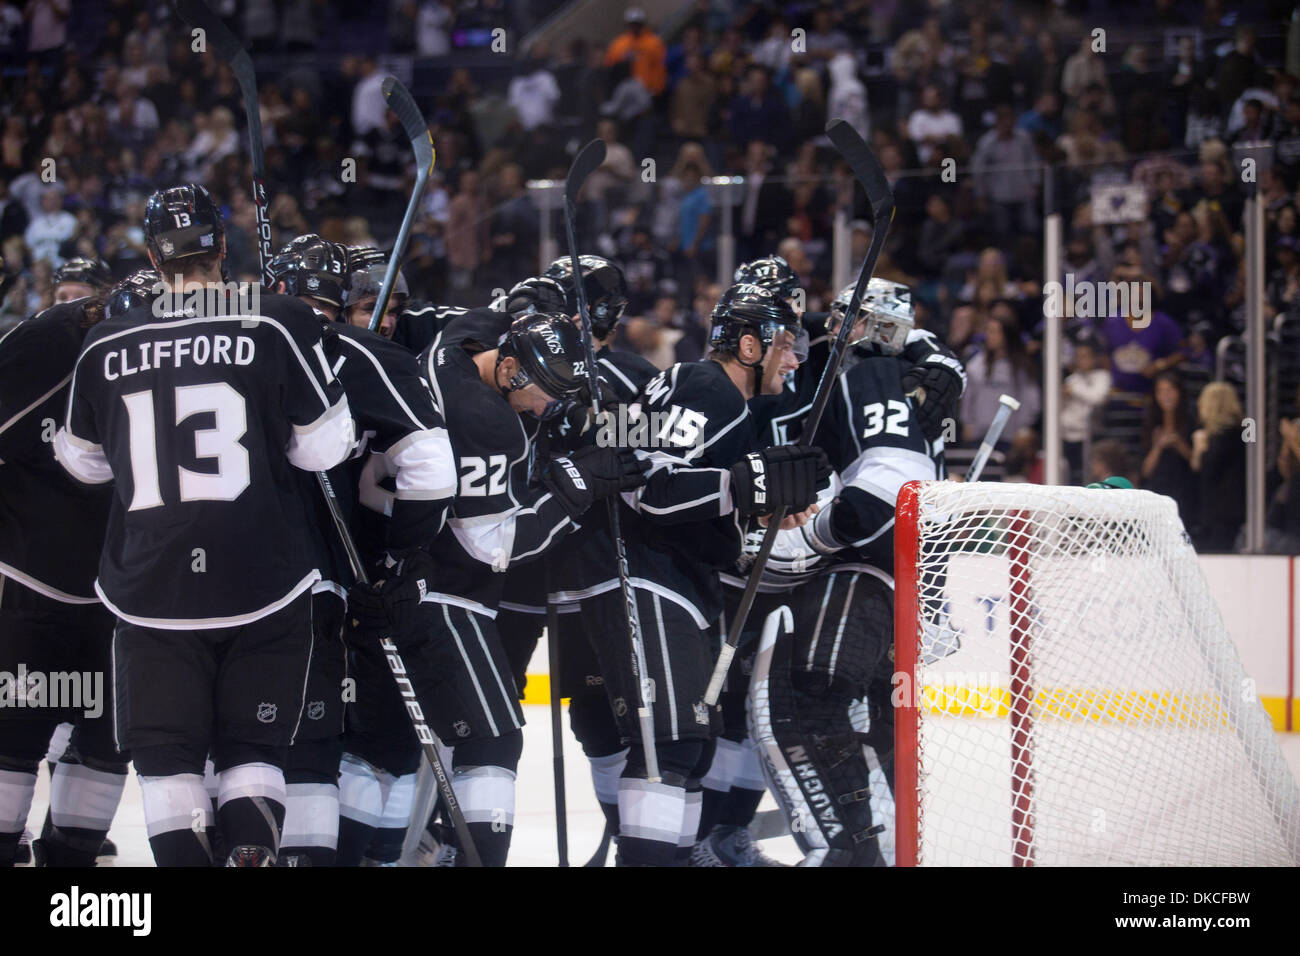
<point x="605" y="772"/>
<point x="717" y="784"/>
<point x="250" y="806"/>
<point x="484" y="781"/>
<point x="16" y="790"/>
<point x="694" y="798"/>
<point x="652" y="815"/>
<point x="386" y="841"/>
<point x="311" y="821"/>
<point x="361" y="805"/>
<point x="177" y="815"/>
<point x="747" y="788"/>
<point x="83" y="802"/>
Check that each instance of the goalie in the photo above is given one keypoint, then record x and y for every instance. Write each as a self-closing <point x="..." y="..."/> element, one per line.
<point x="837" y="571"/>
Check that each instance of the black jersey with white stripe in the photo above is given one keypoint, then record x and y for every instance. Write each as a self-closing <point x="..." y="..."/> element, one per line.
<point x="875" y="445"/>
<point x="199" y="419"/>
<point x="497" y="518"/>
<point x="420" y="322"/>
<point x="51" y="527"/>
<point x="681" y="528"/>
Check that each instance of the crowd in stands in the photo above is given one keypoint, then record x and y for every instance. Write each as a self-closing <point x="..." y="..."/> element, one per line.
<point x="977" y="111"/>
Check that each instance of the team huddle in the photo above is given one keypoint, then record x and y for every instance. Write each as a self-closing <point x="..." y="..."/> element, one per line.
<point x="283" y="535"/>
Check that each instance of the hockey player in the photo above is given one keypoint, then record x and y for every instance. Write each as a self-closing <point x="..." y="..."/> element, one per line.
<point x="405" y="439"/>
<point x="707" y="480"/>
<point x="51" y="620"/>
<point x="78" y="278"/>
<point x="198" y="408"/>
<point x="443" y="608"/>
<point x="367" y="267"/>
<point x="804" y="684"/>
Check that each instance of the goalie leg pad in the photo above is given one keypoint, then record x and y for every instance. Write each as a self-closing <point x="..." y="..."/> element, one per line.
<point x="845" y="630"/>
<point x="811" y="757"/>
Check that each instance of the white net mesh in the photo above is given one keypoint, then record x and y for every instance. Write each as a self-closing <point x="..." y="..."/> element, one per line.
<point x="1094" y="710"/>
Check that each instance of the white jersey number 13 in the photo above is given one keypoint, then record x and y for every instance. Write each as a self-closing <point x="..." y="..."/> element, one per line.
<point x="221" y="443"/>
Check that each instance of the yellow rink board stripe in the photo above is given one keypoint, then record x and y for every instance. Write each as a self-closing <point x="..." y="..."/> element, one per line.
<point x="1089" y="705"/>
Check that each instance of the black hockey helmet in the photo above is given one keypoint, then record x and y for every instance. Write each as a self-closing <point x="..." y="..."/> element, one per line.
<point x="91" y="272"/>
<point x="366" y="267"/>
<point x="749" y="309"/>
<point x="538" y="294"/>
<point x="606" y="288"/>
<point x="182" y="221"/>
<point x="139" y="288"/>
<point x="312" y="266"/>
<point x="548" y="347"/>
<point x="771" y="272"/>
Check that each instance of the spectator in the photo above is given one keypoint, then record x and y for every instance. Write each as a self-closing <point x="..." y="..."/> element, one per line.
<point x="930" y="126"/>
<point x="513" y="232"/>
<point x="1082" y="393"/>
<point x="1284" y="510"/>
<point x="432" y="26"/>
<point x="47" y="25"/>
<point x="1109" y="459"/>
<point x="643" y="48"/>
<point x="683" y="179"/>
<point x="1219" y="459"/>
<point x="466" y="239"/>
<point x="848" y="97"/>
<point x="999" y="367"/>
<point x="692" y="100"/>
<point x="1240" y="69"/>
<point x="824" y="42"/>
<point x="941" y="235"/>
<point x="1044" y="117"/>
<point x="1167" y="447"/>
<point x="765" y="204"/>
<point x="652" y="336"/>
<point x="216" y="139"/>
<point x="368" y="105"/>
<point x="49" y="230"/>
<point x="1084" y="69"/>
<point x="1141" y="348"/>
<point x="758" y="112"/>
<point x="534" y="92"/>
<point x="1005" y="169"/>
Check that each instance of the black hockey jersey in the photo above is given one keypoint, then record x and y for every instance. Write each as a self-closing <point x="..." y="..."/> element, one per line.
<point x="51" y="527"/>
<point x="497" y="519"/>
<point x="199" y="418"/>
<point x="420" y="322"/>
<point x="875" y="445"/>
<point x="681" y="529"/>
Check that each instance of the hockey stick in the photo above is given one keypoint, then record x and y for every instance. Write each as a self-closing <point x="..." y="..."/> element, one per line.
<point x="417" y="130"/>
<point x="557" y="729"/>
<point x="1006" y="405"/>
<point x="230" y="51"/>
<point x="867" y="169"/>
<point x="584" y="164"/>
<point x="199" y="16"/>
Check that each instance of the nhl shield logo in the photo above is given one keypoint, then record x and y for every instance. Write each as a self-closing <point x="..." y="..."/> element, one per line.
<point x="620" y="707"/>
<point x="316" y="710"/>
<point x="266" y="712"/>
<point x="461" y="728"/>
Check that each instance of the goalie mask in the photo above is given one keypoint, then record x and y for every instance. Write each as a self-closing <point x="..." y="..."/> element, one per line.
<point x="182" y="221"/>
<point x="605" y="285"/>
<point x="772" y="272"/>
<point x="311" y="266"/>
<point x="548" y="348"/>
<point x="886" y="316"/>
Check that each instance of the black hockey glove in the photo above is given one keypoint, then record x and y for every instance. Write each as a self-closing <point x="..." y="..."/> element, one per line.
<point x="388" y="608"/>
<point x="936" y="388"/>
<point x="592" y="474"/>
<point x="783" y="476"/>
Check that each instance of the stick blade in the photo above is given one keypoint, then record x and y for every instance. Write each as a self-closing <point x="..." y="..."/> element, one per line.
<point x="202" y="17"/>
<point x="585" y="163"/>
<point x="865" y="167"/>
<point x="403" y="105"/>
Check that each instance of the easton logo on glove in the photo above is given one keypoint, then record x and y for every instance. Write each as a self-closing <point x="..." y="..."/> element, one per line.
<point x="783" y="476"/>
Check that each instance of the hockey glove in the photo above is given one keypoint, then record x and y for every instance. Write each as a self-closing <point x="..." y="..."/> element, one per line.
<point x="592" y="474"/>
<point x="936" y="389"/>
<point x="389" y="607"/>
<point x="783" y="476"/>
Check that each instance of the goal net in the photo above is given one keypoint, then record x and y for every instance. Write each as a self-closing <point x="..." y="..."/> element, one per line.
<point x="1066" y="691"/>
